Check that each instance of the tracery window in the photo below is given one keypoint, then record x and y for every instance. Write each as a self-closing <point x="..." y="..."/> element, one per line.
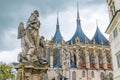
<point x="82" y="57"/>
<point x="108" y="58"/>
<point x="91" y="57"/>
<point x="56" y="58"/>
<point x="73" y="75"/>
<point x="100" y="58"/>
<point x="73" y="60"/>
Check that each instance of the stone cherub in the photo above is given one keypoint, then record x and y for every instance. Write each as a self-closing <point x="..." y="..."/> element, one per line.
<point x="31" y="43"/>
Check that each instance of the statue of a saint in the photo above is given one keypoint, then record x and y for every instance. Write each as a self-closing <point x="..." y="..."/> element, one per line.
<point x="29" y="36"/>
<point x="32" y="44"/>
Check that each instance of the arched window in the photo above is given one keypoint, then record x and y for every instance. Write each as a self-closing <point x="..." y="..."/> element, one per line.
<point x="100" y="58"/>
<point x="111" y="76"/>
<point x="82" y="57"/>
<point x="56" y="58"/>
<point x="91" y="57"/>
<point x="102" y="76"/>
<point x="73" y="60"/>
<point x="108" y="58"/>
<point x="92" y="73"/>
<point x="83" y="74"/>
<point x="73" y="75"/>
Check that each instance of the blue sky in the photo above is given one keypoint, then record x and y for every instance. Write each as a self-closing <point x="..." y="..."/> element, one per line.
<point x="12" y="12"/>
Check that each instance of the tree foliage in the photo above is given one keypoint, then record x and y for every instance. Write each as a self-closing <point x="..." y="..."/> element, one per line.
<point x="6" y="72"/>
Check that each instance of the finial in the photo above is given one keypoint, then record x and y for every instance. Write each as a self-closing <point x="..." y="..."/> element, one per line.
<point x="77" y="9"/>
<point x="57" y="25"/>
<point x="57" y="19"/>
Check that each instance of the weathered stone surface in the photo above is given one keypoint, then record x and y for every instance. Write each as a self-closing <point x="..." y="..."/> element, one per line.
<point x="32" y="62"/>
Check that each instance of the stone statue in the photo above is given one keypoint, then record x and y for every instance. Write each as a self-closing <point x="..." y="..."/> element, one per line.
<point x="33" y="52"/>
<point x="32" y="45"/>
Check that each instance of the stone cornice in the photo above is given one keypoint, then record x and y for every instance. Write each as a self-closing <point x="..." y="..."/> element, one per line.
<point x="113" y="22"/>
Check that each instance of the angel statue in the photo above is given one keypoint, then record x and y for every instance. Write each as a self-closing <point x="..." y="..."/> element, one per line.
<point x="32" y="44"/>
<point x="29" y="38"/>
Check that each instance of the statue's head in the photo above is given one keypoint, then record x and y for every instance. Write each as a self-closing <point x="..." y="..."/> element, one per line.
<point x="37" y="13"/>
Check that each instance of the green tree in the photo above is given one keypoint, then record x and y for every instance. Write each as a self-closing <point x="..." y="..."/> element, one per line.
<point x="6" y="72"/>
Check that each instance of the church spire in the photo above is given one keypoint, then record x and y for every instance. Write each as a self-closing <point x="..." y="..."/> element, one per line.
<point x="77" y="10"/>
<point x="57" y="25"/>
<point x="78" y="17"/>
<point x="78" y="33"/>
<point x="57" y="37"/>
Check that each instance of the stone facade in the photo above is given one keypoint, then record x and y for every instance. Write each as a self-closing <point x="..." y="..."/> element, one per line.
<point x="114" y="34"/>
<point x="84" y="69"/>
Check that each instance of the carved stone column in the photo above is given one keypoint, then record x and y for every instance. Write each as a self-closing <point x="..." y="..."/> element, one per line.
<point x="87" y="57"/>
<point x="77" y="57"/>
<point x="104" y="58"/>
<point x="96" y="62"/>
<point x="51" y="55"/>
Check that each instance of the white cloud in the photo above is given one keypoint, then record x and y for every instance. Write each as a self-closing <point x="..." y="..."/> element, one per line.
<point x="9" y="56"/>
<point x="67" y="20"/>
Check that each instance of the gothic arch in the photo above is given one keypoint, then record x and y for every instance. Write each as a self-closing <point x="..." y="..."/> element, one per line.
<point x="82" y="57"/>
<point x="108" y="58"/>
<point x="56" y="58"/>
<point x="73" y="59"/>
<point x="91" y="58"/>
<point x="100" y="60"/>
<point x="73" y="75"/>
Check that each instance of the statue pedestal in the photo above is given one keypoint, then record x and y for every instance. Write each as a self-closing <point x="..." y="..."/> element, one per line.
<point x="27" y="71"/>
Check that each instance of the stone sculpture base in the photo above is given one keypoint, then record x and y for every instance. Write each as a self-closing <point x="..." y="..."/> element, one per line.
<point x="28" y="71"/>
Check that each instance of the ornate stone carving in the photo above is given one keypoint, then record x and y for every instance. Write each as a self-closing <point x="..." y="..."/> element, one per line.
<point x="33" y="46"/>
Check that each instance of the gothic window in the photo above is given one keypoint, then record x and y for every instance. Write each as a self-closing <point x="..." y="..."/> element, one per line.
<point x="108" y="58"/>
<point x="91" y="57"/>
<point x="92" y="74"/>
<point x="83" y="74"/>
<point x="102" y="76"/>
<point x="73" y="61"/>
<point x="73" y="75"/>
<point x="82" y="57"/>
<point x="56" y="58"/>
<point x="111" y="76"/>
<point x="100" y="58"/>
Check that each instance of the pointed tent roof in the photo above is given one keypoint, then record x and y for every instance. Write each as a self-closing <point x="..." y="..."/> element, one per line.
<point x="57" y="37"/>
<point x="99" y="38"/>
<point x="79" y="33"/>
